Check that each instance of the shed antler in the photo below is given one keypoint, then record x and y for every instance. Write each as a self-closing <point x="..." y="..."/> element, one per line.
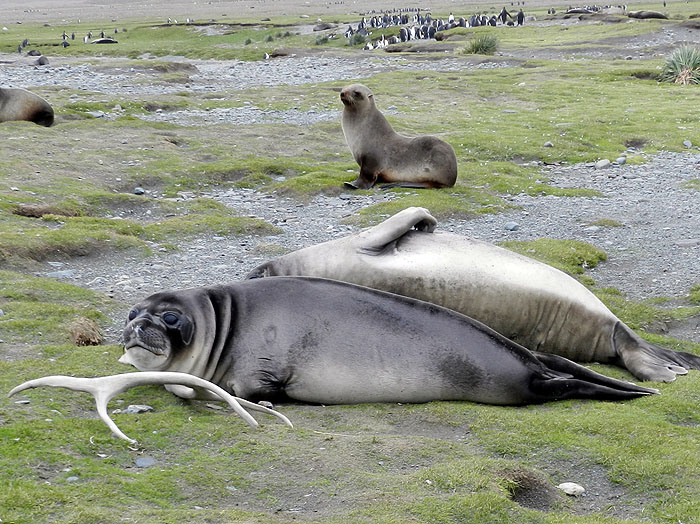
<point x="106" y="388"/>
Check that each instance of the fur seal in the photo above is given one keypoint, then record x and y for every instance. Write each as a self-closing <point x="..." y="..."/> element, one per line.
<point x="20" y="104"/>
<point x="385" y="156"/>
<point x="527" y="301"/>
<point x="330" y="342"/>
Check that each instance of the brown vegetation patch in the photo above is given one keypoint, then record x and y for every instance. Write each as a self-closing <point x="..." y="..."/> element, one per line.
<point x="530" y="489"/>
<point x="40" y="210"/>
<point x="85" y="332"/>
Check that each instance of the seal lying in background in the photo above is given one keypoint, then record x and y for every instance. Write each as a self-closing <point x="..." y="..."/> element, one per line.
<point x="385" y="156"/>
<point x="329" y="342"/>
<point x="20" y="104"/>
<point x="527" y="301"/>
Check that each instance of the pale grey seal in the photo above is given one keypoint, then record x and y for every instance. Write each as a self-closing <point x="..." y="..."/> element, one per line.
<point x="527" y="301"/>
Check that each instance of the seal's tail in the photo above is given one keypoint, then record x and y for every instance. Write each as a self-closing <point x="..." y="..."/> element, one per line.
<point x="571" y="380"/>
<point x="647" y="361"/>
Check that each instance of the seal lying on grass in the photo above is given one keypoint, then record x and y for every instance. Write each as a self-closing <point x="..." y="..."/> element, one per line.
<point x="527" y="301"/>
<point x="324" y="341"/>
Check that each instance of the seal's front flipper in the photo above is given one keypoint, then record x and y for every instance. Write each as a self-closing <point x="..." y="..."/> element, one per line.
<point x="648" y="361"/>
<point x="377" y="238"/>
<point x="565" y="379"/>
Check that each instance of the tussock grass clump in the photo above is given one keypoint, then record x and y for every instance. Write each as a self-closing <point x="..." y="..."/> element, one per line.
<point x="486" y="44"/>
<point x="683" y="66"/>
<point x="357" y="39"/>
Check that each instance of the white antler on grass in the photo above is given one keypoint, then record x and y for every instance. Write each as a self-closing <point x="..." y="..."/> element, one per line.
<point x="106" y="388"/>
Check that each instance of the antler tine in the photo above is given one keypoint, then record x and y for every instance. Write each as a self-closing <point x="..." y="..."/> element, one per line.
<point x="105" y="388"/>
<point x="257" y="407"/>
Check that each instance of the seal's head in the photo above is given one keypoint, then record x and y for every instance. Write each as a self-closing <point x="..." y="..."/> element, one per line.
<point x="156" y="332"/>
<point x="356" y="96"/>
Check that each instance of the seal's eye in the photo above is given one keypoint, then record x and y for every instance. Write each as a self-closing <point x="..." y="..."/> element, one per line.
<point x="132" y="314"/>
<point x="170" y="319"/>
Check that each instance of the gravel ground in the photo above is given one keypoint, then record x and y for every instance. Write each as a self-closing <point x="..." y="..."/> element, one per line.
<point x="655" y="252"/>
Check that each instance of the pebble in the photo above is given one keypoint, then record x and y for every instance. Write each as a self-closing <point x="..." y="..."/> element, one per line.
<point x="511" y="226"/>
<point x="72" y="479"/>
<point x="548" y="144"/>
<point x="63" y="274"/>
<point x="134" y="409"/>
<point x="139" y="191"/>
<point x="572" y="489"/>
<point x="687" y="143"/>
<point x="602" y="164"/>
<point x="621" y="160"/>
<point x="145" y="462"/>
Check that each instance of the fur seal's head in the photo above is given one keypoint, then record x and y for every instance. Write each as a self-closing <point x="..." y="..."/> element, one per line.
<point x="356" y="96"/>
<point x="156" y="331"/>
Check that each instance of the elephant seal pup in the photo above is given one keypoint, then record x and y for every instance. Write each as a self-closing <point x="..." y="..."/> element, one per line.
<point x="20" y="104"/>
<point x="385" y="156"/>
<point x="527" y="301"/>
<point x="324" y="341"/>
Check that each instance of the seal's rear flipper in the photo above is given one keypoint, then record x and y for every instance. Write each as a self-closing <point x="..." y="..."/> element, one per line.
<point x="571" y="380"/>
<point x="647" y="361"/>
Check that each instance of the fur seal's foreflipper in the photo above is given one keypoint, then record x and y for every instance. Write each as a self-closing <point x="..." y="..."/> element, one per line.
<point x="648" y="361"/>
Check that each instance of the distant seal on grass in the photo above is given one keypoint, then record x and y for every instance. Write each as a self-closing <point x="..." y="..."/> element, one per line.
<point x="385" y="156"/>
<point x="530" y="302"/>
<point x="645" y="15"/>
<point x="20" y="104"/>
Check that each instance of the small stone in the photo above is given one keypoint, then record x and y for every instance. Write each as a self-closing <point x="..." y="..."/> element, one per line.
<point x="96" y="114"/>
<point x="572" y="489"/>
<point x="145" y="462"/>
<point x="591" y="228"/>
<point x="511" y="226"/>
<point x="134" y="409"/>
<point x="687" y="143"/>
<point x="139" y="191"/>
<point x="72" y="479"/>
<point x="602" y="164"/>
<point x="690" y="242"/>
<point x="66" y="273"/>
<point x="620" y="161"/>
<point x="1" y="312"/>
<point x="548" y="144"/>
<point x="509" y="111"/>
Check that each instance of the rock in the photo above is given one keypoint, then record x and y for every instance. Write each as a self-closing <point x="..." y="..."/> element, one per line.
<point x="572" y="489"/>
<point x="548" y="144"/>
<point x="687" y="143"/>
<point x="145" y="462"/>
<point x="620" y="161"/>
<point x="66" y="273"/>
<point x="511" y="226"/>
<point x="134" y="409"/>
<point x="96" y="114"/>
<point x="72" y="479"/>
<point x="139" y="191"/>
<point x="602" y="164"/>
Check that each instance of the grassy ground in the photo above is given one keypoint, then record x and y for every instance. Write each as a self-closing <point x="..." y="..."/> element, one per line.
<point x="434" y="463"/>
